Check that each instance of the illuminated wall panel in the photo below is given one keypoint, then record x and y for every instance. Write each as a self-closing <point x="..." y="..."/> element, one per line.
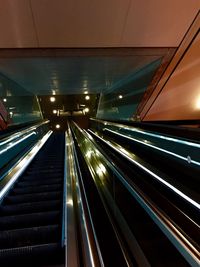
<point x="180" y="97"/>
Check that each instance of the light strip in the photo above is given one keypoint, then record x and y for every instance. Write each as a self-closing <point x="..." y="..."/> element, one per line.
<point x="11" y="145"/>
<point x="16" y="135"/>
<point x="172" y="139"/>
<point x="188" y="143"/>
<point x="155" y="147"/>
<point x="18" y="169"/>
<point x="177" y="191"/>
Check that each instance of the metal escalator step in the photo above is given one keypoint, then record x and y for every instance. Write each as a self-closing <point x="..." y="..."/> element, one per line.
<point x="40" y="162"/>
<point x="39" y="182"/>
<point x="14" y="199"/>
<point x="29" y="220"/>
<point x="29" y="236"/>
<point x="45" y="171"/>
<point x="30" y="190"/>
<point x="41" y="176"/>
<point x="30" y="207"/>
<point x="51" y="167"/>
<point x="29" y="254"/>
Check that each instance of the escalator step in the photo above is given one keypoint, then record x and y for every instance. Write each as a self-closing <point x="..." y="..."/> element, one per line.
<point x="32" y="197"/>
<point x="51" y="167"/>
<point x="42" y="188"/>
<point x="39" y="177"/>
<point x="40" y="182"/>
<point x="49" y="171"/>
<point x="29" y="254"/>
<point x="30" y="207"/>
<point x="29" y="220"/>
<point x="41" y="162"/>
<point x="29" y="236"/>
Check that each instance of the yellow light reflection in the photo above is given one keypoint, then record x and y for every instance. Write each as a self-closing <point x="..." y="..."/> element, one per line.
<point x="101" y="170"/>
<point x="89" y="153"/>
<point x="70" y="202"/>
<point x="197" y="105"/>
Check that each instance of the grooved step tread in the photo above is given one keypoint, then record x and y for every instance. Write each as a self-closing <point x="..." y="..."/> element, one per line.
<point x="40" y="182"/>
<point x="34" y="197"/>
<point x="30" y="207"/>
<point x="29" y="220"/>
<point x="29" y="236"/>
<point x="30" y="190"/>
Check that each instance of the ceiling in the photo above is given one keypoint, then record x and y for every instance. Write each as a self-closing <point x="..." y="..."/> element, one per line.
<point x="100" y="23"/>
<point x="74" y="75"/>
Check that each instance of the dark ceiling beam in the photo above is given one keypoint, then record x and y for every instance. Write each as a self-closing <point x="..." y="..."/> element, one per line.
<point x="84" y="52"/>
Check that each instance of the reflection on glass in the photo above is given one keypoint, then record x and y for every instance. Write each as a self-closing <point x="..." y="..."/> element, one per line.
<point x="121" y="100"/>
<point x="17" y="105"/>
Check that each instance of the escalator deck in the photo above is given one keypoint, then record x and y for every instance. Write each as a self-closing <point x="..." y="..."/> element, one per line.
<point x="31" y="213"/>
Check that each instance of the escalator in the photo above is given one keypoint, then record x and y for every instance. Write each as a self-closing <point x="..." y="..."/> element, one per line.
<point x="31" y="212"/>
<point x="109" y="212"/>
<point x="139" y="213"/>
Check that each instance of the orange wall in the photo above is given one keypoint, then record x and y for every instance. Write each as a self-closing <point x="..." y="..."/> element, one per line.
<point x="180" y="97"/>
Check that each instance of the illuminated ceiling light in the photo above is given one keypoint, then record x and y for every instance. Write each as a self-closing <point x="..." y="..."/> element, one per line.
<point x="54" y="111"/>
<point x="120" y="96"/>
<point x="11" y="113"/>
<point x="57" y="126"/>
<point x="52" y="99"/>
<point x="87" y="97"/>
<point x="86" y="92"/>
<point x="4" y="100"/>
<point x="86" y="110"/>
<point x="53" y="92"/>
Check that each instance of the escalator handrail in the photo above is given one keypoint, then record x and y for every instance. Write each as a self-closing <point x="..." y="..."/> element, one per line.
<point x="19" y="133"/>
<point x="189" y="252"/>
<point x="161" y="129"/>
<point x="153" y="174"/>
<point x="15" y="172"/>
<point x="92" y="251"/>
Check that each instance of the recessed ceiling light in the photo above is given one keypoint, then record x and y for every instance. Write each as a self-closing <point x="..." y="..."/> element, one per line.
<point x="87" y="97"/>
<point x="120" y="96"/>
<point x="54" y="111"/>
<point x="86" y="110"/>
<point x="4" y="100"/>
<point x="52" y="99"/>
<point x="57" y="126"/>
<point x="86" y="92"/>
